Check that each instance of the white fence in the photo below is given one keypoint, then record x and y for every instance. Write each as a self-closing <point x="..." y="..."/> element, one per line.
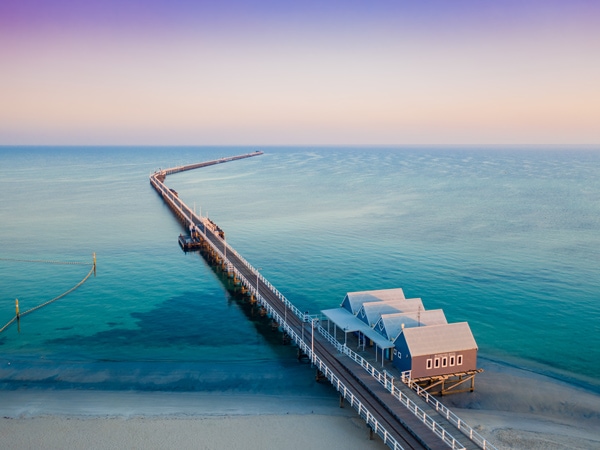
<point x="387" y="382"/>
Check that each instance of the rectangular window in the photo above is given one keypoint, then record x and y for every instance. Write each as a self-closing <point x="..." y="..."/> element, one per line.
<point x="459" y="360"/>
<point x="437" y="362"/>
<point x="451" y="361"/>
<point x="444" y="361"/>
<point x="429" y="363"/>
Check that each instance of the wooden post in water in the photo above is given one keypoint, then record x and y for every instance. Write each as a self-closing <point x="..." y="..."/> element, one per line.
<point x="18" y="315"/>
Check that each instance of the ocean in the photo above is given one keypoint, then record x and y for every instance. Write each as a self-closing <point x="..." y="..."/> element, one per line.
<point x="504" y="238"/>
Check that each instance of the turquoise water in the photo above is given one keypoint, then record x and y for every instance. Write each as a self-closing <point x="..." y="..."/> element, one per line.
<point x="507" y="239"/>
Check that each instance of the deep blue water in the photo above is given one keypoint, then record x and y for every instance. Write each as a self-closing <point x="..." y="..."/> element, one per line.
<point x="507" y="239"/>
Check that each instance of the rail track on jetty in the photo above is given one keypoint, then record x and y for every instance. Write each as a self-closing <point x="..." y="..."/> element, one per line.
<point x="388" y="410"/>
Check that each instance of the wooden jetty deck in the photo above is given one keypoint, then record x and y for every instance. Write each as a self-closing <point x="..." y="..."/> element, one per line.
<point x="391" y="409"/>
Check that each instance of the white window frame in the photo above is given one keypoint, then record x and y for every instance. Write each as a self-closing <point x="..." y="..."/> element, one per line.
<point x="436" y="362"/>
<point x="459" y="360"/>
<point x="444" y="361"/>
<point x="429" y="364"/>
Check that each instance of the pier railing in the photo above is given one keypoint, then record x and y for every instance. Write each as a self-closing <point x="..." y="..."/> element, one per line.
<point x="347" y="394"/>
<point x="382" y="377"/>
<point x="388" y="383"/>
<point x="191" y="218"/>
<point x="362" y="410"/>
<point x="446" y="412"/>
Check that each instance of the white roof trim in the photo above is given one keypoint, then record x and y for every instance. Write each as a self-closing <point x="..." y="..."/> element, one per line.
<point x="357" y="299"/>
<point x="348" y="322"/>
<point x="452" y="337"/>
<point x="392" y="323"/>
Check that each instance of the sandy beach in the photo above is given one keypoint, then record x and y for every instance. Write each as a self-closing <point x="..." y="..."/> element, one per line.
<point x="515" y="409"/>
<point x="34" y="419"/>
<point x="229" y="432"/>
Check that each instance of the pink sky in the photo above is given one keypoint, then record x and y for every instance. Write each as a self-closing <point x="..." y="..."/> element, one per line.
<point x="156" y="72"/>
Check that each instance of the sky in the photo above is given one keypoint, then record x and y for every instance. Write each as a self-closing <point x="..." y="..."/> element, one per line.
<point x="191" y="72"/>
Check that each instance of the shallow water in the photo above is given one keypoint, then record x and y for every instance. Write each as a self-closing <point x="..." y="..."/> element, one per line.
<point x="507" y="239"/>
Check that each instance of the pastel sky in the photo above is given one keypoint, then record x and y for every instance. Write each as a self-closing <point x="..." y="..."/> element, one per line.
<point x="299" y="72"/>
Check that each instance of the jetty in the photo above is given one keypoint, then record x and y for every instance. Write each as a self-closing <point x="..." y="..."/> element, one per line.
<point x="393" y="407"/>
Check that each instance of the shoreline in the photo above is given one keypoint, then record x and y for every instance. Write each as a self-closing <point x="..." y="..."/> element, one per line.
<point x="294" y="432"/>
<point x="58" y="419"/>
<point x="75" y="403"/>
<point x="512" y="407"/>
<point x="553" y="374"/>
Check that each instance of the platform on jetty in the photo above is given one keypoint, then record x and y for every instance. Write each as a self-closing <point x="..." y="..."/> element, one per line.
<point x="391" y="409"/>
<point x="188" y="243"/>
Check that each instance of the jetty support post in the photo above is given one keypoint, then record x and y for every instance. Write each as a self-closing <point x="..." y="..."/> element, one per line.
<point x="18" y="314"/>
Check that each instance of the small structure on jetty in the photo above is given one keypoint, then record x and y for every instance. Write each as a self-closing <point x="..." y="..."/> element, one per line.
<point x="439" y="356"/>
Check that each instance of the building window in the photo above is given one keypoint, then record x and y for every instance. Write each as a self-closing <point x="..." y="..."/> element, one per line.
<point x="444" y="361"/>
<point x="437" y="362"/>
<point x="459" y="360"/>
<point x="451" y="360"/>
<point x="429" y="363"/>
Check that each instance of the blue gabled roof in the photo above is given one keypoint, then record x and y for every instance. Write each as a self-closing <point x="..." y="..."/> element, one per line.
<point x="353" y="301"/>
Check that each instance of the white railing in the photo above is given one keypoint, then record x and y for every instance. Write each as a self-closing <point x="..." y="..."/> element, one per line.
<point x="386" y="381"/>
<point x="355" y="403"/>
<point x="447" y="413"/>
<point x="335" y="381"/>
<point x="315" y="360"/>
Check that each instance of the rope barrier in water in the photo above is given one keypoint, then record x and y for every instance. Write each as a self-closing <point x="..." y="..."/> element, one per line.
<point x="76" y="263"/>
<point x="35" y="308"/>
<point x="8" y="324"/>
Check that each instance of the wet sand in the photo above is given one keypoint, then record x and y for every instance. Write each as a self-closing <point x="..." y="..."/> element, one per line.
<point x="514" y="409"/>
